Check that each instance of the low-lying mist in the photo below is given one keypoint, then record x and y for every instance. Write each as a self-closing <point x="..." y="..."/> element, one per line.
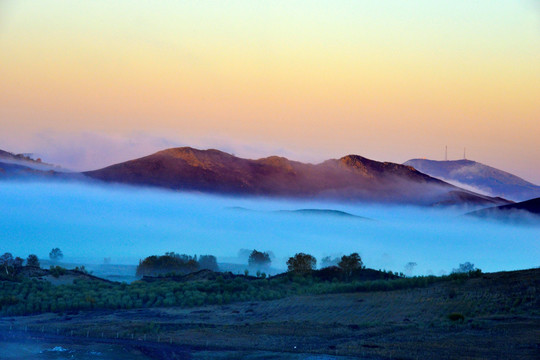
<point x="90" y="223"/>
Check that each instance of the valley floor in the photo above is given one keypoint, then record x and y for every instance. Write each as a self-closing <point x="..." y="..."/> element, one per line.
<point x="501" y="320"/>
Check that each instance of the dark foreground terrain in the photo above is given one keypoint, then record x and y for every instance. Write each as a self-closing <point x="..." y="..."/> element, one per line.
<point x="492" y="316"/>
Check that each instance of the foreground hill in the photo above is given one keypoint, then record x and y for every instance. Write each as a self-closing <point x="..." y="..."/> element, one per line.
<point x="525" y="211"/>
<point x="351" y="177"/>
<point x="486" y="179"/>
<point x="491" y="316"/>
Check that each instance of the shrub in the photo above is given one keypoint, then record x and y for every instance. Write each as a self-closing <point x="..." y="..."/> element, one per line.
<point x="81" y="269"/>
<point x="56" y="271"/>
<point x="8" y="300"/>
<point x="456" y="317"/>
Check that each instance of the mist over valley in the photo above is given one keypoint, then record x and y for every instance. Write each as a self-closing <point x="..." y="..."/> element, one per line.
<point x="90" y="222"/>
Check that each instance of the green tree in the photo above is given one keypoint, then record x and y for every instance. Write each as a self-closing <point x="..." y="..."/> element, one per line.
<point x="32" y="260"/>
<point x="327" y="261"/>
<point x="6" y="263"/>
<point x="17" y="264"/>
<point x="466" y="267"/>
<point x="208" y="262"/>
<point x="168" y="263"/>
<point x="350" y="263"/>
<point x="409" y="267"/>
<point x="258" y="258"/>
<point x="56" y="254"/>
<point x="301" y="263"/>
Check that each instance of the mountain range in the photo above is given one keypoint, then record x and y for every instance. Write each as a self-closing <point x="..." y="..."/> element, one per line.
<point x="478" y="177"/>
<point x="350" y="178"/>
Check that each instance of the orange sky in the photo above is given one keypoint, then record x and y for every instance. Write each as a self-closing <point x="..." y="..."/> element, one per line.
<point x="311" y="80"/>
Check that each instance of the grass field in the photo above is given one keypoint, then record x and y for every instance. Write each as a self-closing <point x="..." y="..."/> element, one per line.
<point x="496" y="316"/>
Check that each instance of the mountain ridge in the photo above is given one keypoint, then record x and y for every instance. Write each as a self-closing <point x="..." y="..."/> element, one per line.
<point x="526" y="212"/>
<point x="351" y="177"/>
<point x="22" y="166"/>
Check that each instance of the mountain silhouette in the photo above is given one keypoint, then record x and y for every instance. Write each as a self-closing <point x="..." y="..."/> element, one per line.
<point x="350" y="178"/>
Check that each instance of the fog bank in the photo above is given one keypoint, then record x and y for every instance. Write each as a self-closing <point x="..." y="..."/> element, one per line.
<point x="90" y="223"/>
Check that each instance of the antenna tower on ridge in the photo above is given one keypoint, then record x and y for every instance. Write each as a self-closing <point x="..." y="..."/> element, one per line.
<point x="446" y="153"/>
<point x="464" y="153"/>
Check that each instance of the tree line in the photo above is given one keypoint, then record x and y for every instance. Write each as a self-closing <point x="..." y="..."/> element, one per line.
<point x="27" y="295"/>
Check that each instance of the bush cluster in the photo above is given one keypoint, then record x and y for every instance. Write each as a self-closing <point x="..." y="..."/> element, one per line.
<point x="35" y="296"/>
<point x="172" y="263"/>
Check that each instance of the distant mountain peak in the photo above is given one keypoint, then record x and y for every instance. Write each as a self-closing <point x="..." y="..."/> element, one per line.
<point x="205" y="159"/>
<point x="277" y="162"/>
<point x="358" y="163"/>
<point x="479" y="177"/>
<point x="186" y="151"/>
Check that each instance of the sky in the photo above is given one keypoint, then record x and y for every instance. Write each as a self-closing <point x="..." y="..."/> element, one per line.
<point x="87" y="84"/>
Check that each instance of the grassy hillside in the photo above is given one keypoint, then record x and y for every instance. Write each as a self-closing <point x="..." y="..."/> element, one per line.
<point x="68" y="290"/>
<point x="484" y="316"/>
